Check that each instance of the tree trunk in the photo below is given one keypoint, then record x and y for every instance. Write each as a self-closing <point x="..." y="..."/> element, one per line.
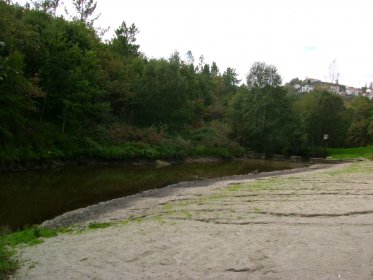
<point x="265" y="119"/>
<point x="64" y="116"/>
<point x="44" y="102"/>
<point x="43" y="107"/>
<point x="64" y="120"/>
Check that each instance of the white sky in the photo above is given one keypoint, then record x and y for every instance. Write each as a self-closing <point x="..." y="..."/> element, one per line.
<point x="301" y="38"/>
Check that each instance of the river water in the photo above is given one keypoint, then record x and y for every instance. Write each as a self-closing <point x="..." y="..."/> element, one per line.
<point x="29" y="198"/>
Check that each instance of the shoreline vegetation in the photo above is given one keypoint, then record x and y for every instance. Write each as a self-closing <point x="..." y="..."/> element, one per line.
<point x="135" y="153"/>
<point x="350" y="153"/>
<point x="143" y="154"/>
<point x="68" y="95"/>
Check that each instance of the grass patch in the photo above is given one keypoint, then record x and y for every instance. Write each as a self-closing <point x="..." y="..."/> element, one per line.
<point x="7" y="264"/>
<point x="125" y="222"/>
<point x="8" y="242"/>
<point x="29" y="236"/>
<point x="188" y="215"/>
<point x="168" y="208"/>
<point x="358" y="167"/>
<point x="235" y="188"/>
<point x="261" y="184"/>
<point x="257" y="210"/>
<point x="350" y="153"/>
<point x="95" y="225"/>
<point x="205" y="199"/>
<point x="158" y="218"/>
<point x="33" y="236"/>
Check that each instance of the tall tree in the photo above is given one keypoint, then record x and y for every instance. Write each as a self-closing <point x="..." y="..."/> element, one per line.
<point x="124" y="42"/>
<point x="361" y="115"/>
<point x="21" y="55"/>
<point x="230" y="78"/>
<point x="262" y="75"/>
<point x="262" y="119"/>
<point x="47" y="6"/>
<point x="189" y="57"/>
<point x="201" y="62"/>
<point x="85" y="10"/>
<point x="16" y="103"/>
<point x="333" y="72"/>
<point x="214" y="70"/>
<point x="322" y="112"/>
<point x="70" y="76"/>
<point x="162" y="95"/>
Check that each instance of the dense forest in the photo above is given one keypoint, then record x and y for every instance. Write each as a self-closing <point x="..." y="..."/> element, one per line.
<point x="67" y="94"/>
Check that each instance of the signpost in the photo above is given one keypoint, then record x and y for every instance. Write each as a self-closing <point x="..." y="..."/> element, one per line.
<point x="326" y="137"/>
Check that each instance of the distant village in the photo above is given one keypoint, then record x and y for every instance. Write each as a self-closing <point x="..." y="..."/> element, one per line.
<point x="309" y="85"/>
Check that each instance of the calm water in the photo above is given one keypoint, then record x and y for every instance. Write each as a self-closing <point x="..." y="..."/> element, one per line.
<point x="32" y="197"/>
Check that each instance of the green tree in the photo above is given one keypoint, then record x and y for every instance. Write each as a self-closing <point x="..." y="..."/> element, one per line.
<point x="260" y="113"/>
<point x="262" y="75"/>
<point x="162" y="95"/>
<point x="85" y="10"/>
<point x="223" y="87"/>
<point x="361" y="112"/>
<point x="190" y="58"/>
<point x="19" y="65"/>
<point x="295" y="81"/>
<point x="262" y="120"/>
<point x="70" y="75"/>
<point x="61" y="87"/>
<point x="230" y="79"/>
<point x="214" y="70"/>
<point x="47" y="6"/>
<point x="124" y="42"/>
<point x="322" y="113"/>
<point x="16" y="103"/>
<point x="120" y="82"/>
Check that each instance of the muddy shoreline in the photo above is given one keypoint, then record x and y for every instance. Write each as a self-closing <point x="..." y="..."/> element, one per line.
<point x="96" y="212"/>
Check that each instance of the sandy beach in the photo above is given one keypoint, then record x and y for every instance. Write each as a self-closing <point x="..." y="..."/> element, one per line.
<point x="311" y="223"/>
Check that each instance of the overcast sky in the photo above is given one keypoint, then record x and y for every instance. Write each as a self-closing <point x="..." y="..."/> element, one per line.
<point x="301" y="38"/>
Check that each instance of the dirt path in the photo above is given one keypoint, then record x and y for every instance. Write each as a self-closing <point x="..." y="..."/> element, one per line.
<point x="311" y="225"/>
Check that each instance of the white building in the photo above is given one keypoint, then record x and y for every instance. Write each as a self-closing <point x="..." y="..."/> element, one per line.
<point x="334" y="89"/>
<point x="307" y="88"/>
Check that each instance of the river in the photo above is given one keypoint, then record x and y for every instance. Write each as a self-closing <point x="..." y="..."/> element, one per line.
<point x="29" y="198"/>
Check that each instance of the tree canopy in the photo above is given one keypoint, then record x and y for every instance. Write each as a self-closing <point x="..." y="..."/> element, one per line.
<point x="64" y="93"/>
<point x="262" y="75"/>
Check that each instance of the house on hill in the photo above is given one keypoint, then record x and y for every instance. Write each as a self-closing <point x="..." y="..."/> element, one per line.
<point x="353" y="91"/>
<point x="310" y="84"/>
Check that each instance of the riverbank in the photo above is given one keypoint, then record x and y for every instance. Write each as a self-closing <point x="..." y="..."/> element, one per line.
<point x="145" y="154"/>
<point x="313" y="223"/>
<point x="90" y="152"/>
<point x="11" y="167"/>
<point x="104" y="211"/>
<point x="30" y="198"/>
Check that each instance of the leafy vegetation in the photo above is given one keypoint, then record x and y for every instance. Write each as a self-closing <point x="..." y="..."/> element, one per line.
<point x="350" y="153"/>
<point x="65" y="94"/>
